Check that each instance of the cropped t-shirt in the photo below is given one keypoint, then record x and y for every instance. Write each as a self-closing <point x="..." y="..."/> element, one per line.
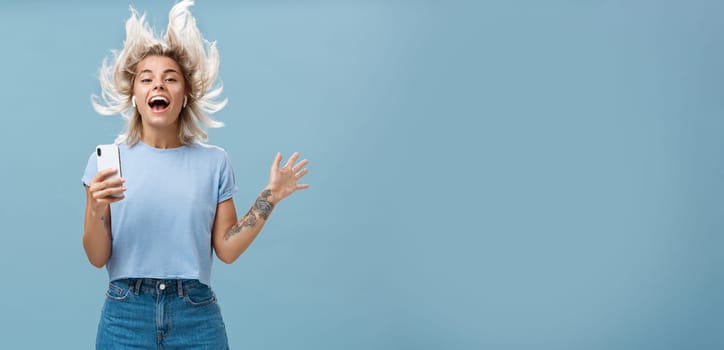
<point x="162" y="228"/>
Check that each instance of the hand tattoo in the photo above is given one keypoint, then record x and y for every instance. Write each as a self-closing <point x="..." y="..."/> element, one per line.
<point x="262" y="206"/>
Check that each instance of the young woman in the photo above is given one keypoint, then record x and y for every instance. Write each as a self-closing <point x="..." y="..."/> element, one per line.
<point x="156" y="227"/>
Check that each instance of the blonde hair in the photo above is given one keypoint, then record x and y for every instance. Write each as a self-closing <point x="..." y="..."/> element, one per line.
<point x="183" y="42"/>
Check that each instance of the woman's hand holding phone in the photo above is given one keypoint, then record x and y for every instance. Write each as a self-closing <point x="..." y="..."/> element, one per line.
<point x="106" y="189"/>
<point x="107" y="186"/>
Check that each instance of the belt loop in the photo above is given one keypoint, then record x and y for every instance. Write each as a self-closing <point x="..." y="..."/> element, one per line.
<point x="179" y="287"/>
<point x="138" y="285"/>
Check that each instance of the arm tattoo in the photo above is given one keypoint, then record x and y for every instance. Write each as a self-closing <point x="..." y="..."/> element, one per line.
<point x="248" y="220"/>
<point x="262" y="206"/>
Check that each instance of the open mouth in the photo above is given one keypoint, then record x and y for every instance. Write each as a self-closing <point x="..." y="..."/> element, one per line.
<point x="158" y="104"/>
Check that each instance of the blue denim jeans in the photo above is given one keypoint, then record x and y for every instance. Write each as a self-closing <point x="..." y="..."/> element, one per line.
<point x="160" y="314"/>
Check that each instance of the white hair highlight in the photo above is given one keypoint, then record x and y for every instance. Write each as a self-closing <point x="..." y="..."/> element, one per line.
<point x="183" y="42"/>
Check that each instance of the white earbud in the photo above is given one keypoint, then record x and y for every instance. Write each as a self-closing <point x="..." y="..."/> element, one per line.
<point x="185" y="99"/>
<point x="133" y="101"/>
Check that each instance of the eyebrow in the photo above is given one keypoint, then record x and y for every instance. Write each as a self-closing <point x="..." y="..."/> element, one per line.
<point x="170" y="70"/>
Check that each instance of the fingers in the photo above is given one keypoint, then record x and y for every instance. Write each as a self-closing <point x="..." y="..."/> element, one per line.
<point x="301" y="173"/>
<point x="276" y="165"/>
<point x="102" y="185"/>
<point x="300" y="165"/>
<point x="292" y="160"/>
<point x="101" y="175"/>
<point x="108" y="193"/>
<point x="277" y="161"/>
<point x="109" y="200"/>
<point x="302" y="186"/>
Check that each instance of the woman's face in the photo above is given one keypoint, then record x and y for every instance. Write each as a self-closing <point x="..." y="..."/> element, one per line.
<point x="159" y="89"/>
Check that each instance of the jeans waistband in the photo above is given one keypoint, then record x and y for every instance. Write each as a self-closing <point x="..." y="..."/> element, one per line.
<point x="158" y="286"/>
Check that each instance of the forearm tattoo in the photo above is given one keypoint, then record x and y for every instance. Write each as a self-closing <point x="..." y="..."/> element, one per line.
<point x="263" y="208"/>
<point x="262" y="205"/>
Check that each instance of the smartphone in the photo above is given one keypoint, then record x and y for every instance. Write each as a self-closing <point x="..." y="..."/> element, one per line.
<point x="109" y="157"/>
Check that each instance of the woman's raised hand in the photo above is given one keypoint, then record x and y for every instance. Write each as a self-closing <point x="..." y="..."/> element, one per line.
<point x="283" y="180"/>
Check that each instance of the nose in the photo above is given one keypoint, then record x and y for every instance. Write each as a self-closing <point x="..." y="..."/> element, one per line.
<point x="158" y="85"/>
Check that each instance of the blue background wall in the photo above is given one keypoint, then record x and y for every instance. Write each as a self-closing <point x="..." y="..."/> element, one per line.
<point x="492" y="174"/>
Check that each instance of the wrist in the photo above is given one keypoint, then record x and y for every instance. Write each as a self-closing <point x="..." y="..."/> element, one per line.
<point x="99" y="211"/>
<point x="270" y="194"/>
<point x="264" y="204"/>
<point x="98" y="215"/>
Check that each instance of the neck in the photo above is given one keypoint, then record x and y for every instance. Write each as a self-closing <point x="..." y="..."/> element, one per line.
<point x="160" y="138"/>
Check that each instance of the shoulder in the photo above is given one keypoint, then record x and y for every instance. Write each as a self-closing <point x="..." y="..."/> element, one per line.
<point x="207" y="149"/>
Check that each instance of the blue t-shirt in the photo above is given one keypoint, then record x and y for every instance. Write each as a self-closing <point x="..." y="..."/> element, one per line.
<point x="162" y="228"/>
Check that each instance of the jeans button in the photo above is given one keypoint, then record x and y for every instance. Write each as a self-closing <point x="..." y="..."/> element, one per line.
<point x="161" y="286"/>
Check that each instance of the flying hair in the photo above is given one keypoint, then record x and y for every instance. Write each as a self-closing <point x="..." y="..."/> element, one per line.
<point x="182" y="42"/>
